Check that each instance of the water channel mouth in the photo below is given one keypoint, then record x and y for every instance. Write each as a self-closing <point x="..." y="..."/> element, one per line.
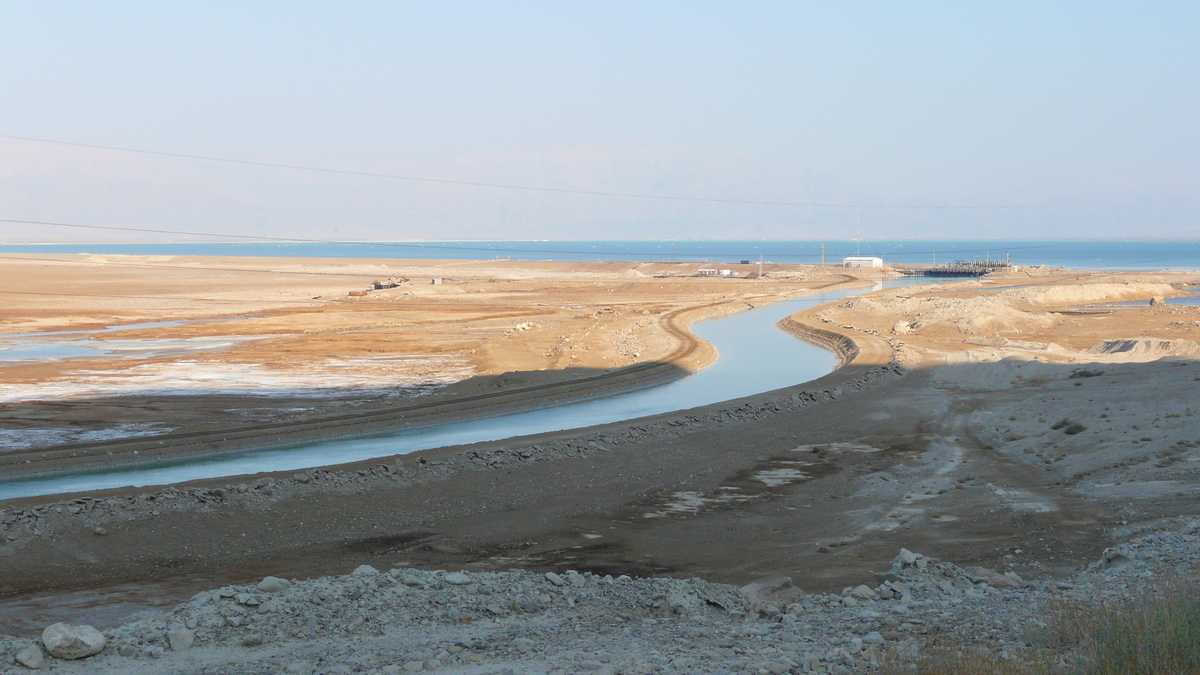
<point x="754" y="357"/>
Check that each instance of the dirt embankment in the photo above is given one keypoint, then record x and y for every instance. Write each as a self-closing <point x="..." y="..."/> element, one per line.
<point x="1068" y="311"/>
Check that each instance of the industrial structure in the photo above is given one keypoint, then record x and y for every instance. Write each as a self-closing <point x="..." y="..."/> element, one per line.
<point x="862" y="261"/>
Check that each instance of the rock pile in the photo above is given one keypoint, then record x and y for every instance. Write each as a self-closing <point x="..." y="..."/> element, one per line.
<point x="499" y="623"/>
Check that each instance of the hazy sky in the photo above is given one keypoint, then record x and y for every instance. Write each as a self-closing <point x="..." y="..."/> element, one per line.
<point x="1091" y="106"/>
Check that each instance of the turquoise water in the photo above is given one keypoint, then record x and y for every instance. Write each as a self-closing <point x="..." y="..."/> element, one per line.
<point x="754" y="356"/>
<point x="1139" y="255"/>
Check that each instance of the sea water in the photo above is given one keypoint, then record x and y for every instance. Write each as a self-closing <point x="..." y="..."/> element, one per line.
<point x="1083" y="255"/>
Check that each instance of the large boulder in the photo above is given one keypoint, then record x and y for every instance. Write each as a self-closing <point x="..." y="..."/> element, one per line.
<point x="72" y="642"/>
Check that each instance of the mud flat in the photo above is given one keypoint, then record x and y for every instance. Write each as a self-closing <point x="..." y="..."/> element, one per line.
<point x="174" y="357"/>
<point x="955" y="428"/>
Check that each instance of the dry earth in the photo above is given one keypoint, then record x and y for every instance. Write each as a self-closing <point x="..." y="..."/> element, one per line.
<point x="263" y="342"/>
<point x="955" y="429"/>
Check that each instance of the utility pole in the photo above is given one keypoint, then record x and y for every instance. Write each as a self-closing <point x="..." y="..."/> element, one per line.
<point x="935" y="256"/>
<point x="822" y="254"/>
<point x="760" y="256"/>
<point x="858" y="235"/>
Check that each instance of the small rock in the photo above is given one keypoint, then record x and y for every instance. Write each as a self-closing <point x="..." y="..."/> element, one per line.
<point x="862" y="592"/>
<point x="993" y="578"/>
<point x="100" y="531"/>
<point x="873" y="638"/>
<point x="252" y="640"/>
<point x="778" y="591"/>
<point x="153" y="652"/>
<point x="301" y="668"/>
<point x="72" y="642"/>
<point x="523" y="645"/>
<point x="127" y="650"/>
<point x="181" y="640"/>
<point x="555" y="579"/>
<point x="31" y="657"/>
<point x="274" y="585"/>
<point x="457" y="578"/>
<point x="365" y="569"/>
<point x="576" y="579"/>
<point x="414" y="666"/>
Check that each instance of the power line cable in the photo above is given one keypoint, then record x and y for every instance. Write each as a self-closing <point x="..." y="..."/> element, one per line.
<point x="529" y="188"/>
<point x="416" y="245"/>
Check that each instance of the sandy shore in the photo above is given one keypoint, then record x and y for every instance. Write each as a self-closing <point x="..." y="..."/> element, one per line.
<point x="962" y="434"/>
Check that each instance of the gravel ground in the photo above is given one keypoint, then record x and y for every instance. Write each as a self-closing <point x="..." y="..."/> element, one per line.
<point x="502" y="623"/>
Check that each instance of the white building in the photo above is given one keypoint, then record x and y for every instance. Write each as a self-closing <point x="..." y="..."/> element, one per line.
<point x="862" y="261"/>
<point x="705" y="272"/>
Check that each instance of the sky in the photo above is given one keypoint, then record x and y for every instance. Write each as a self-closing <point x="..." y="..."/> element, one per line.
<point x="1082" y="116"/>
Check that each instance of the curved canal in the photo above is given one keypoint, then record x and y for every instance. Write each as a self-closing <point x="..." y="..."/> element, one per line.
<point x="754" y="357"/>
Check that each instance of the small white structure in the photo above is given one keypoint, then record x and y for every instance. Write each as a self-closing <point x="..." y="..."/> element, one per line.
<point x="726" y="273"/>
<point x="862" y="261"/>
<point x="705" y="272"/>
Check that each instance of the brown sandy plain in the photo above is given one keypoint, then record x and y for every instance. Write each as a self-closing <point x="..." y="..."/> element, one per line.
<point x="1022" y="423"/>
<point x="273" y="350"/>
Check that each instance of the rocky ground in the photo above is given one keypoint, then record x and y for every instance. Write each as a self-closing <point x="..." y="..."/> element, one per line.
<point x="406" y="620"/>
